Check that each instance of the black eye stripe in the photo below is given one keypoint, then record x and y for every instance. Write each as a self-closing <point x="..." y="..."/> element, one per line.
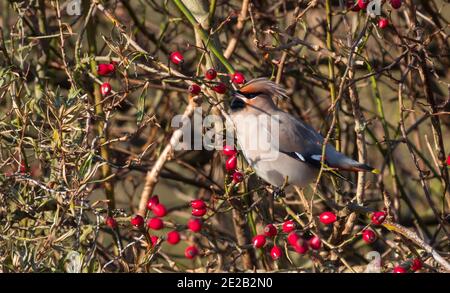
<point x="250" y="95"/>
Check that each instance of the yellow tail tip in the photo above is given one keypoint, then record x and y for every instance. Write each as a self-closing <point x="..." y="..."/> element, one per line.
<point x="376" y="171"/>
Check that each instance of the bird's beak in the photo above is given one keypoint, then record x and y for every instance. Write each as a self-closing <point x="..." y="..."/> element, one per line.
<point x="236" y="102"/>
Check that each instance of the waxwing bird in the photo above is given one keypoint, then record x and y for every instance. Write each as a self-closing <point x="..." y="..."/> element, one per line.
<point x="276" y="144"/>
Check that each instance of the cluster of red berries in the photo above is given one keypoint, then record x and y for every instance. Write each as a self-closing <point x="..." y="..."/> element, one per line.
<point x="220" y="87"/>
<point x="231" y="163"/>
<point x="357" y="5"/>
<point x="195" y="225"/>
<point x="159" y="210"/>
<point x="210" y="74"/>
<point x="198" y="207"/>
<point x="384" y="22"/>
<point x="300" y="244"/>
<point x="154" y="223"/>
<point x="238" y="78"/>
<point x="106" y="69"/>
<point x="368" y="235"/>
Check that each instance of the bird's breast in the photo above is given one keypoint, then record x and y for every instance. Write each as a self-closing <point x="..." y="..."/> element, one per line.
<point x="260" y="148"/>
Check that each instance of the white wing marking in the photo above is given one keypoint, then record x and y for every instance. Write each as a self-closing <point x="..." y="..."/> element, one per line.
<point x="316" y="157"/>
<point x="300" y="157"/>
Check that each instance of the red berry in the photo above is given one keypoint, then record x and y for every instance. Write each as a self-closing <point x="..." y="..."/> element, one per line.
<point x="159" y="210"/>
<point x="102" y="69"/>
<point x="198" y="204"/>
<point x="231" y="163"/>
<point x="288" y="226"/>
<point x="155" y="224"/>
<point x="137" y="221"/>
<point x="176" y="57"/>
<point x="23" y="167"/>
<point x="351" y="4"/>
<point x="315" y="243"/>
<point x="276" y="252"/>
<point x="154" y="200"/>
<point x="293" y="238"/>
<point x="111" y="222"/>
<point x="220" y="88"/>
<point x="105" y="69"/>
<point x="378" y="217"/>
<point x="270" y="230"/>
<point x="258" y="241"/>
<point x="416" y="265"/>
<point x="396" y="4"/>
<point x="448" y="160"/>
<point x="327" y="218"/>
<point x="229" y="150"/>
<point x="210" y="74"/>
<point x="298" y="243"/>
<point x="238" y="177"/>
<point x="363" y="3"/>
<point x="369" y="236"/>
<point x="154" y="239"/>
<point x="195" y="225"/>
<point x="194" y="89"/>
<point x="198" y="212"/>
<point x="190" y="252"/>
<point x="301" y="246"/>
<point x="238" y="78"/>
<point x="105" y="88"/>
<point x="383" y="23"/>
<point x="173" y="237"/>
<point x="399" y="270"/>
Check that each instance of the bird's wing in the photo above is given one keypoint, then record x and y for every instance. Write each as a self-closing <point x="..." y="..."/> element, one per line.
<point x="299" y="140"/>
<point x="303" y="143"/>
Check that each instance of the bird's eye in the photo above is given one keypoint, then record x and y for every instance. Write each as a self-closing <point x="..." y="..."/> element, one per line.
<point x="250" y="95"/>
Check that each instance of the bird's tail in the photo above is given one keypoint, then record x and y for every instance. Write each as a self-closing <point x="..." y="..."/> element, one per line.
<point x="344" y="163"/>
<point x="360" y="167"/>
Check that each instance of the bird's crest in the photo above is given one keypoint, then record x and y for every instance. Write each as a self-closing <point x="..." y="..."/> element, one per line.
<point x="265" y="86"/>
